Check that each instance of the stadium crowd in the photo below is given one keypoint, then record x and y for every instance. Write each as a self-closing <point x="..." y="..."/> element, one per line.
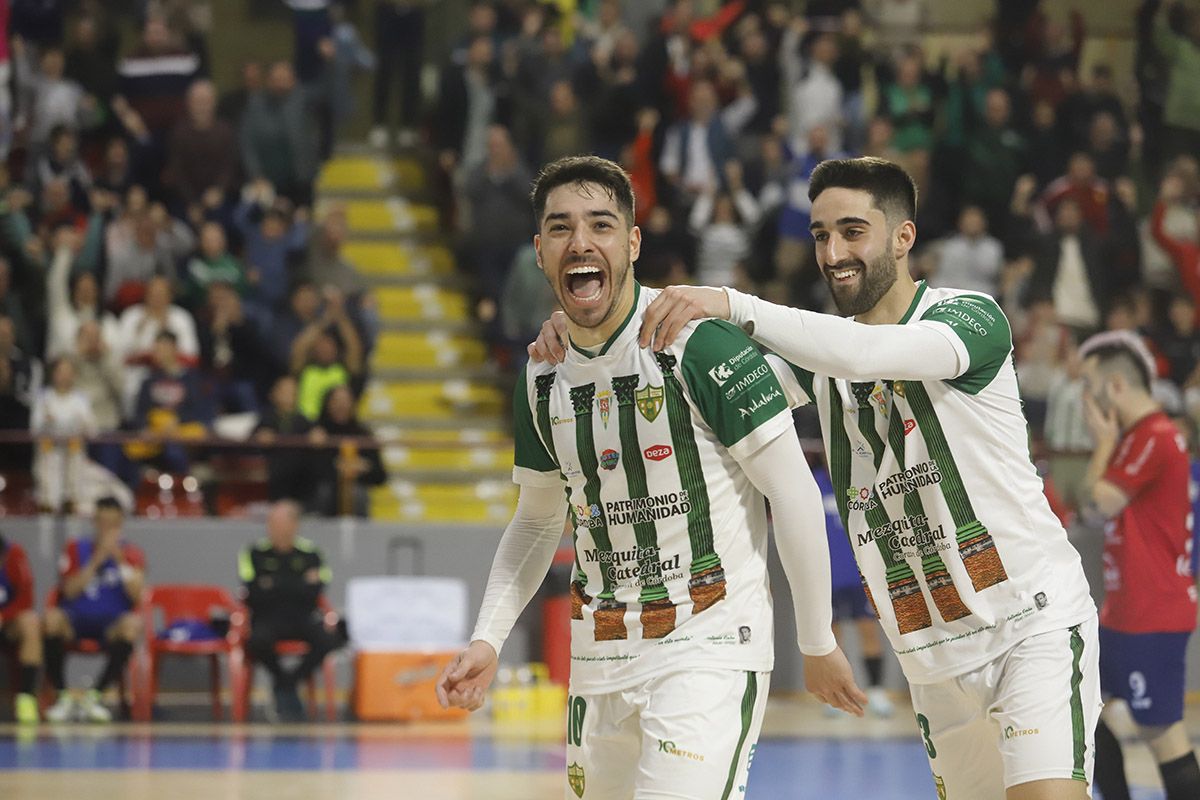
<point x="160" y="263"/>
<point x="159" y="245"/>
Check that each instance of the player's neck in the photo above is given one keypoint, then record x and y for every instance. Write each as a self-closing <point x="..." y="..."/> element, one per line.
<point x="1136" y="411"/>
<point x="892" y="307"/>
<point x="594" y="337"/>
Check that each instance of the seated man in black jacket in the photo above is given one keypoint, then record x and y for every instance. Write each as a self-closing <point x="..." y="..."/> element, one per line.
<point x="284" y="576"/>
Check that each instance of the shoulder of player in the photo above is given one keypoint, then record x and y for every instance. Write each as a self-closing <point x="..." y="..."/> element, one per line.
<point x="709" y="338"/>
<point x="940" y="297"/>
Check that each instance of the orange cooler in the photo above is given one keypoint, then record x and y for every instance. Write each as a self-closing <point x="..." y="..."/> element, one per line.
<point x="398" y="686"/>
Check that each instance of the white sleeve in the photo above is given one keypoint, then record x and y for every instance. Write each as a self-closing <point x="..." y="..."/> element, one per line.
<point x="779" y="470"/>
<point x="522" y="559"/>
<point x="843" y="348"/>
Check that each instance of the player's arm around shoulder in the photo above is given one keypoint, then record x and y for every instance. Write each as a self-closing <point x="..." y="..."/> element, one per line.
<point x="735" y="390"/>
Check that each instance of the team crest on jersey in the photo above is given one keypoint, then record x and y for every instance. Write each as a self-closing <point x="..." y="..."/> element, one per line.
<point x="898" y="387"/>
<point x="879" y="398"/>
<point x="604" y="404"/>
<point x="649" y="401"/>
<point x="609" y="459"/>
<point x="577" y="780"/>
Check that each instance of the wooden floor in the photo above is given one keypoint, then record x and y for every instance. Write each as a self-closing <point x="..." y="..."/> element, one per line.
<point x="802" y="754"/>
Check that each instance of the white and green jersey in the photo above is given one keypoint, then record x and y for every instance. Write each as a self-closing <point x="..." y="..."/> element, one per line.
<point x="958" y="548"/>
<point x="670" y="535"/>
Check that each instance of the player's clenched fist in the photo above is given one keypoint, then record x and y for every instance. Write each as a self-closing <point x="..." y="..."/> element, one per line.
<point x="466" y="679"/>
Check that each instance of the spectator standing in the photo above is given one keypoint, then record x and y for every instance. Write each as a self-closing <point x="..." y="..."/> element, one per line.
<point x="100" y="584"/>
<point x="154" y="78"/>
<point x="470" y="99"/>
<point x="995" y="156"/>
<point x="139" y="247"/>
<point x="232" y="351"/>
<point x="278" y="139"/>
<point x="318" y="361"/>
<point x="346" y="469"/>
<point x="61" y="418"/>
<point x="722" y="224"/>
<point x="1070" y="272"/>
<point x="1138" y="478"/>
<point x="273" y="237"/>
<point x="1181" y="113"/>
<point x="20" y="628"/>
<point x="201" y="151"/>
<point x="291" y="471"/>
<point x="54" y="100"/>
<point x="284" y="576"/>
<point x="971" y="259"/>
<point x="695" y="150"/>
<point x="817" y="97"/>
<point x="212" y="263"/>
<point x="399" y="43"/>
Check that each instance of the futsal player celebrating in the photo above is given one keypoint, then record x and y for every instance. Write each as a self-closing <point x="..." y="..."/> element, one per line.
<point x="982" y="596"/>
<point x="1138" y="479"/>
<point x="664" y="458"/>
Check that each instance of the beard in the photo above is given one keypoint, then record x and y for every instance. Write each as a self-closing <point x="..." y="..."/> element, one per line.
<point x="876" y="279"/>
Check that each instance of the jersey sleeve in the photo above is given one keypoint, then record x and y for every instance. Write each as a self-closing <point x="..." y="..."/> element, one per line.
<point x="532" y="463"/>
<point x="733" y="386"/>
<point x="797" y="382"/>
<point x="979" y="332"/>
<point x="1140" y="464"/>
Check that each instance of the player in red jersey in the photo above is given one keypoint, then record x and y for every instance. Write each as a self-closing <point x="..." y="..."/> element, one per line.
<point x="19" y="626"/>
<point x="1138" y="479"/>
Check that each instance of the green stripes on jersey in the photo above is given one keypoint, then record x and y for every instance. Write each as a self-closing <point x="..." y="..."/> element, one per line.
<point x="937" y="577"/>
<point x="904" y="591"/>
<point x="582" y="400"/>
<point x="625" y="388"/>
<point x="691" y="471"/>
<point x="975" y="544"/>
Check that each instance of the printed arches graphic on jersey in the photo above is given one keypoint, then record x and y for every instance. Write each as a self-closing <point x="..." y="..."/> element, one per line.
<point x="649" y="401"/>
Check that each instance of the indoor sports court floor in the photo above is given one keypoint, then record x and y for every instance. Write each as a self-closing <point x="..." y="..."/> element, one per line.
<point x="802" y="754"/>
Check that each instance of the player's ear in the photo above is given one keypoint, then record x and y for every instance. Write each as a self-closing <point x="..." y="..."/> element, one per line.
<point x="635" y="243"/>
<point x="537" y="248"/>
<point x="903" y="238"/>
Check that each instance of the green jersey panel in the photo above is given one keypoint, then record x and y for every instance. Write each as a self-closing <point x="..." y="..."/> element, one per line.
<point x="730" y="381"/>
<point x="528" y="450"/>
<point x="984" y="331"/>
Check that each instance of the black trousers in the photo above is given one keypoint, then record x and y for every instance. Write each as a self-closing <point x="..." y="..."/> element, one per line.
<point x="267" y="631"/>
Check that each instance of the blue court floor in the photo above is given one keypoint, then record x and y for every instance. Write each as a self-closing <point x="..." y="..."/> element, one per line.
<point x="801" y="755"/>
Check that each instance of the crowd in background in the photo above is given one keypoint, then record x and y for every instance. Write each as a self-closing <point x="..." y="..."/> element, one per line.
<point x="161" y="267"/>
<point x="1069" y="191"/>
<point x="159" y="247"/>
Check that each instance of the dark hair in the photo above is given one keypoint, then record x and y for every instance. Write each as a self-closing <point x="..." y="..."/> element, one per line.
<point x="891" y="188"/>
<point x="580" y="170"/>
<point x="109" y="502"/>
<point x="1116" y="357"/>
<point x="168" y="335"/>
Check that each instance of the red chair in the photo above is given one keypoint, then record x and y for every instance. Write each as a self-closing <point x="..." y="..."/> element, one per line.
<point x="129" y="685"/>
<point x="175" y="602"/>
<point x="289" y="647"/>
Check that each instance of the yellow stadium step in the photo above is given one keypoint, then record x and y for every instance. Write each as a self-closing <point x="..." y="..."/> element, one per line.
<point x="421" y="302"/>
<point x="399" y="260"/>
<point x="400" y="350"/>
<point x="394" y="215"/>
<point x="485" y="501"/>
<point x="480" y="458"/>
<point x="366" y="174"/>
<point x="448" y="400"/>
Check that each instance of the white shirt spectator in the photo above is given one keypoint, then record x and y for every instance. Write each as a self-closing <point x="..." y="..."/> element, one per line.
<point x="971" y="263"/>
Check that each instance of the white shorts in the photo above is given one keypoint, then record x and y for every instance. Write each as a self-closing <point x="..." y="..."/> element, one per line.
<point x="1028" y="715"/>
<point x="682" y="736"/>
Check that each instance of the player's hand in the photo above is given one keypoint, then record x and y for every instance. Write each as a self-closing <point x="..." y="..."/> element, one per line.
<point x="675" y="307"/>
<point x="831" y="679"/>
<point x="1101" y="424"/>
<point x="551" y="344"/>
<point x="466" y="679"/>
